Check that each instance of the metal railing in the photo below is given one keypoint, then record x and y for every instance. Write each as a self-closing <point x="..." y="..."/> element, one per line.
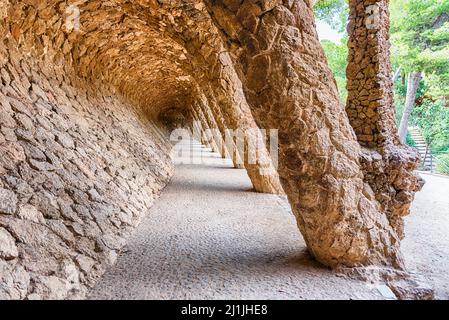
<point x="433" y="160"/>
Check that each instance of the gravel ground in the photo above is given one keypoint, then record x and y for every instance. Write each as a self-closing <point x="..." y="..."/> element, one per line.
<point x="426" y="244"/>
<point x="210" y="237"/>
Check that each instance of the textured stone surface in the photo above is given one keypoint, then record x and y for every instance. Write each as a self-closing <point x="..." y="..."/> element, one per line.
<point x="388" y="166"/>
<point x="80" y="165"/>
<point x="8" y="201"/>
<point x="8" y="249"/>
<point x="84" y="153"/>
<point x="289" y="86"/>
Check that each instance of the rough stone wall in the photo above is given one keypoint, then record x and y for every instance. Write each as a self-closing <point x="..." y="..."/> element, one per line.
<point x="78" y="172"/>
<point x="79" y="167"/>
<point x="388" y="166"/>
<point x="370" y="94"/>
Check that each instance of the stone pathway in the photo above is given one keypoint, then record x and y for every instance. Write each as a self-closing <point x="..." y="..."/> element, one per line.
<point x="210" y="237"/>
<point x="426" y="243"/>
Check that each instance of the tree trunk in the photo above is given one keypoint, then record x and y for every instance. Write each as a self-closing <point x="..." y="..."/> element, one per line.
<point x="397" y="74"/>
<point x="412" y="87"/>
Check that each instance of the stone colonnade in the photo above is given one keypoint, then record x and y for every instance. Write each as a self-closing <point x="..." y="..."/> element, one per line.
<point x="85" y="90"/>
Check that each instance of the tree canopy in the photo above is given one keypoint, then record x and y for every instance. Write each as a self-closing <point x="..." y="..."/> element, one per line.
<point x="334" y="12"/>
<point x="419" y="36"/>
<point x="419" y="43"/>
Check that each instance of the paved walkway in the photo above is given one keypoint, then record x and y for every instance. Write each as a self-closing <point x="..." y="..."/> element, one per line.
<point x="426" y="243"/>
<point x="210" y="237"/>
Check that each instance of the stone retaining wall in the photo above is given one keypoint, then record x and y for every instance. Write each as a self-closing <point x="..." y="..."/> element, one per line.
<point x="79" y="168"/>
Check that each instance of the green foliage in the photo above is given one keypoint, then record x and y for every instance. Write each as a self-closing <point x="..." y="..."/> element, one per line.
<point x="420" y="41"/>
<point x="337" y="58"/>
<point x="419" y="36"/>
<point x="433" y="119"/>
<point x="409" y="140"/>
<point x="334" y="12"/>
<point x="442" y="165"/>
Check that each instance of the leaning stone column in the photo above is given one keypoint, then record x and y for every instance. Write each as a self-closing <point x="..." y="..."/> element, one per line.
<point x="388" y="166"/>
<point x="231" y="102"/>
<point x="289" y="86"/>
<point x="199" y="116"/>
<point x="211" y="105"/>
<point x="203" y="105"/>
<point x="217" y="80"/>
<point x="210" y="138"/>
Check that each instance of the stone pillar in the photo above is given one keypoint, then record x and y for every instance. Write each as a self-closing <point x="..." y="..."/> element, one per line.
<point x="290" y="87"/>
<point x="236" y="115"/>
<point x="198" y="118"/>
<point x="221" y="125"/>
<point x="217" y="80"/>
<point x="203" y="106"/>
<point x="208" y="138"/>
<point x="370" y="96"/>
<point x="388" y="166"/>
<point x="227" y="96"/>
